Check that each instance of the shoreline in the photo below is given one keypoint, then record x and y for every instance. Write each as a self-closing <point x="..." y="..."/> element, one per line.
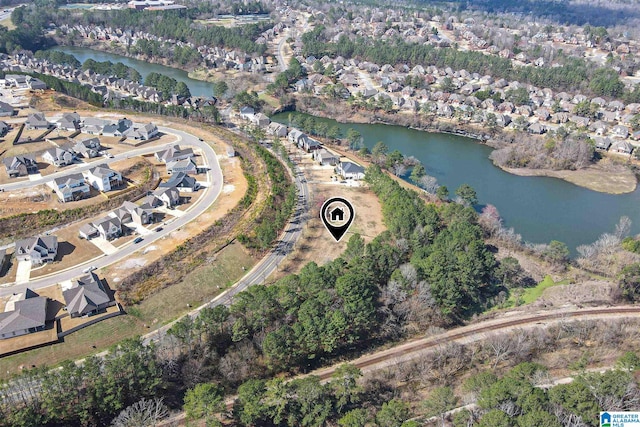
<point x="594" y="178"/>
<point x="618" y="179"/>
<point x="610" y="178"/>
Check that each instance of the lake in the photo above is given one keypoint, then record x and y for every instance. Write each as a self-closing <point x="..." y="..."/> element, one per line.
<point x="541" y="209"/>
<point x="197" y="87"/>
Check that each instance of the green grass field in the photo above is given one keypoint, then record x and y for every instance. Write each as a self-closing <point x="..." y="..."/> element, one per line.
<point x="532" y="294"/>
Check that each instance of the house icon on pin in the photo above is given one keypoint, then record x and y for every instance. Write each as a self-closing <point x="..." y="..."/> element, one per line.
<point x="337" y="214"/>
<point x="605" y="419"/>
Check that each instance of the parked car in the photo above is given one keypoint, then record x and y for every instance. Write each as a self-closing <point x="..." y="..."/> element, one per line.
<point x="89" y="269"/>
<point x="159" y="229"/>
<point x="138" y="240"/>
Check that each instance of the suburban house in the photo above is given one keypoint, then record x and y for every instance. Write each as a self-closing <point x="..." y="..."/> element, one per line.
<point x="88" y="231"/>
<point x="69" y="121"/>
<point x="602" y="143"/>
<point x="20" y="165"/>
<point x="86" y="297"/>
<point x="310" y="145"/>
<point x="187" y="166"/>
<point x="325" y="158"/>
<point x="87" y="148"/>
<point x="94" y="126"/>
<point x="277" y="129"/>
<point x="130" y="212"/>
<point x="260" y="120"/>
<point x="37" y="121"/>
<point x="70" y="187"/>
<point x="103" y="178"/>
<point x="4" y="128"/>
<point x="118" y="128"/>
<point x="297" y="137"/>
<point x="622" y="147"/>
<point x="620" y="131"/>
<point x="15" y="80"/>
<point x="23" y="315"/>
<point x="6" y="109"/>
<point x="142" y="133"/>
<point x="58" y="157"/>
<point x="182" y="182"/>
<point x="247" y="112"/>
<point x="35" y="83"/>
<point x="173" y="153"/>
<point x="38" y="250"/>
<point x="169" y="196"/>
<point x="108" y="227"/>
<point x="350" y="170"/>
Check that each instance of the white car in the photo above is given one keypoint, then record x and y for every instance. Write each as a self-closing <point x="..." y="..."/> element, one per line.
<point x="89" y="269"/>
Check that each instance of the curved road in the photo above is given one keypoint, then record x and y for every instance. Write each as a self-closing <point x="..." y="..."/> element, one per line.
<point x="267" y="265"/>
<point x="211" y="193"/>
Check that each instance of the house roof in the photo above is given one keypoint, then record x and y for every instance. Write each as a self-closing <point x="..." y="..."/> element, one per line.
<point x="171" y="192"/>
<point x="5" y="107"/>
<point x="179" y="179"/>
<point x="180" y="164"/>
<point x="67" y="180"/>
<point x="106" y="222"/>
<point x="102" y="171"/>
<point x="28" y="313"/>
<point x="350" y="167"/>
<point x="86" y="295"/>
<point x="26" y="245"/>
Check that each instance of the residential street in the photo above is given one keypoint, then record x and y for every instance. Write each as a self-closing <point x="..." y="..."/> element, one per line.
<point x="206" y="200"/>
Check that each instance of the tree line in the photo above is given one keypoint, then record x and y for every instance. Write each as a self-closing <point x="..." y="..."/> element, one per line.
<point x="574" y="72"/>
<point x="108" y="68"/>
<point x="181" y="25"/>
<point x="281" y="202"/>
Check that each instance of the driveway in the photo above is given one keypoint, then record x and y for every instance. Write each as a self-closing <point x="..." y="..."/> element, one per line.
<point x="24" y="271"/>
<point x="104" y="245"/>
<point x="142" y="230"/>
<point x="35" y="177"/>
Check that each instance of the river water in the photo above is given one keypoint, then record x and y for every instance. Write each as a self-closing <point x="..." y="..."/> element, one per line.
<point x="197" y="87"/>
<point x="541" y="209"/>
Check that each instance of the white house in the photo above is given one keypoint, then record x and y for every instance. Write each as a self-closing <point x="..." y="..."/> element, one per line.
<point x="70" y="187"/>
<point x="350" y="170"/>
<point x="58" y="157"/>
<point x="103" y="178"/>
<point x="38" y="250"/>
<point x="325" y="158"/>
<point x="187" y="166"/>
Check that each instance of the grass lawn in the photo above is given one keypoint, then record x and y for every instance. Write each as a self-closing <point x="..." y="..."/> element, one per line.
<point x="7" y="23"/>
<point x="168" y="304"/>
<point x="198" y="287"/>
<point x="531" y="294"/>
<point x="270" y="100"/>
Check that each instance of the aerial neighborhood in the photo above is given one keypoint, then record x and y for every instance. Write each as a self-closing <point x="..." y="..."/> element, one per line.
<point x="319" y="213"/>
<point x="132" y="178"/>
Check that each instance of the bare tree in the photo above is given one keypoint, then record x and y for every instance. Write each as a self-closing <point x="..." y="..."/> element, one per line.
<point x="144" y="413"/>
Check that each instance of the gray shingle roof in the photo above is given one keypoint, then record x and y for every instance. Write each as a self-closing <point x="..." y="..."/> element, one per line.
<point x="28" y="313"/>
<point x="86" y="295"/>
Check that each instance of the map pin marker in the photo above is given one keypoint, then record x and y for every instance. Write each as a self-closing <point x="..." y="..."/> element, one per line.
<point x="337" y="215"/>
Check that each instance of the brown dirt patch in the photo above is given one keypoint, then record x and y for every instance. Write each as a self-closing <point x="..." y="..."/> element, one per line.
<point x="590" y="292"/>
<point x="605" y="178"/>
<point x="316" y="244"/>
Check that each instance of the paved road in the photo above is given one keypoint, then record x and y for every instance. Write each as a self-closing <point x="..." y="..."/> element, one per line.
<point x="211" y="194"/>
<point x="79" y="167"/>
<point x="4" y="15"/>
<point x="268" y="264"/>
